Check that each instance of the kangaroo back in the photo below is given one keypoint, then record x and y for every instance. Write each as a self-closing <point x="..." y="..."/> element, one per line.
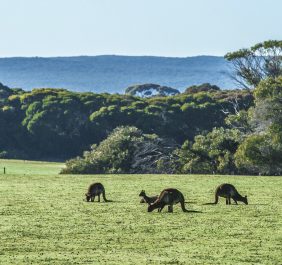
<point x="228" y="191"/>
<point x="168" y="197"/>
<point x="96" y="189"/>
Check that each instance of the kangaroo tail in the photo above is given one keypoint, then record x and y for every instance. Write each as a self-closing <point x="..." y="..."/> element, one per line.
<point x="215" y="199"/>
<point x="104" y="197"/>
<point x="183" y="206"/>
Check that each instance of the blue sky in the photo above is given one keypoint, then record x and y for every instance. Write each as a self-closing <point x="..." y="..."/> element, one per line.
<point x="135" y="27"/>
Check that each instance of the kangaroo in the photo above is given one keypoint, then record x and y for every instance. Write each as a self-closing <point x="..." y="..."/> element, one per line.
<point x="228" y="191"/>
<point x="147" y="199"/>
<point x="95" y="189"/>
<point x="168" y="197"/>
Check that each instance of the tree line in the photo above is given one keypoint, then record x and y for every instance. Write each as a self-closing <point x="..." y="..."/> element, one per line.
<point x="202" y="130"/>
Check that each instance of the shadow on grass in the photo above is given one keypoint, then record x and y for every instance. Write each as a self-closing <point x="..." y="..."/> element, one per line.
<point x="258" y="204"/>
<point x="100" y="201"/>
<point x="193" y="211"/>
<point x="212" y="203"/>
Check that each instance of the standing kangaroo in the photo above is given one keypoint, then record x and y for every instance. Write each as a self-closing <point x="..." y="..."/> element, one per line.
<point x="168" y="197"/>
<point x="95" y="189"/>
<point x="147" y="199"/>
<point x="229" y="192"/>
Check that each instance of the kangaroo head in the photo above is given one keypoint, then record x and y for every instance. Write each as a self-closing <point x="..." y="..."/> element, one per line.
<point x="245" y="200"/>
<point x="88" y="197"/>
<point x="142" y="193"/>
<point x="151" y="208"/>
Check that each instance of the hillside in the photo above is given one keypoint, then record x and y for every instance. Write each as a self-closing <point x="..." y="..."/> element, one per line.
<point x="56" y="123"/>
<point x="113" y="73"/>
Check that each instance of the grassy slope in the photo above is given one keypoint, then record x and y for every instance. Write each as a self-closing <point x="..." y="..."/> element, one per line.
<point x="25" y="167"/>
<point x="43" y="220"/>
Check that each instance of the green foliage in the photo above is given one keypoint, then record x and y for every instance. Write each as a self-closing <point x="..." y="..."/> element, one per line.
<point x="151" y="90"/>
<point x="259" y="155"/>
<point x="257" y="63"/>
<point x="125" y="150"/>
<point x="113" y="155"/>
<point x="211" y="153"/>
<point x="261" y="152"/>
<point x="240" y="121"/>
<point x="5" y="92"/>
<point x="59" y="124"/>
<point x="201" y="88"/>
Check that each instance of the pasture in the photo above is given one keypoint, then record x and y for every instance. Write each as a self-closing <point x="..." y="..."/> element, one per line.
<point x="44" y="220"/>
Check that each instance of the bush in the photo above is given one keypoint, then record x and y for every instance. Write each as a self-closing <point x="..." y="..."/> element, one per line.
<point x="125" y="150"/>
<point x="3" y="154"/>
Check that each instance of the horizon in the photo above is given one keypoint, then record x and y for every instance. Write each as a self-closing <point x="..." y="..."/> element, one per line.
<point x="111" y="55"/>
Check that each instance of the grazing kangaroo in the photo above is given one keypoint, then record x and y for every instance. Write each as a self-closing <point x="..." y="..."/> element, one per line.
<point x="95" y="189"/>
<point x="168" y="197"/>
<point x="147" y="199"/>
<point x="229" y="192"/>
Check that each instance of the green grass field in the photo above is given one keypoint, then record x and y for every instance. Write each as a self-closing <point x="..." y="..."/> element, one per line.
<point x="44" y="220"/>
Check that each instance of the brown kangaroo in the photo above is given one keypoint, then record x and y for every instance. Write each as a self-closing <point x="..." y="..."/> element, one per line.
<point x="229" y="192"/>
<point x="147" y="199"/>
<point x="168" y="197"/>
<point x="95" y="189"/>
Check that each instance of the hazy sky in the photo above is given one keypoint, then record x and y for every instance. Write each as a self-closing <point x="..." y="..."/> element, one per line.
<point x="135" y="27"/>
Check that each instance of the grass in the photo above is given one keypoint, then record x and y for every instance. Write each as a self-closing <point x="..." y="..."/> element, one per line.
<point x="44" y="220"/>
<point x="25" y="167"/>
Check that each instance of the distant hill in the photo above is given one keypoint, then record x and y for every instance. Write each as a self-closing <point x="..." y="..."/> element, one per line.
<point x="113" y="74"/>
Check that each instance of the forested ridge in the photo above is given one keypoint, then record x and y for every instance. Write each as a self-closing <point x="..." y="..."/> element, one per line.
<point x="59" y="124"/>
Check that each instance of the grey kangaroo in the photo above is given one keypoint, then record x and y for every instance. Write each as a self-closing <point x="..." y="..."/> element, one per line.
<point x="168" y="197"/>
<point x="147" y="199"/>
<point x="95" y="189"/>
<point x="229" y="192"/>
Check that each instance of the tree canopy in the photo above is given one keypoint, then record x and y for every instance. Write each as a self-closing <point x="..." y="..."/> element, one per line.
<point x="256" y="63"/>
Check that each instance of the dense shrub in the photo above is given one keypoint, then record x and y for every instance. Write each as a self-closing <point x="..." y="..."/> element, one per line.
<point x="126" y="150"/>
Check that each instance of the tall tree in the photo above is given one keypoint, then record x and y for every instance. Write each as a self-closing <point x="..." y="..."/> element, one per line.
<point x="261" y="152"/>
<point x="256" y="63"/>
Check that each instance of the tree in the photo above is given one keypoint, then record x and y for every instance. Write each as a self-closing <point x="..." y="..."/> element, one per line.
<point x="256" y="63"/>
<point x="200" y="88"/>
<point x="125" y="150"/>
<point x="210" y="153"/>
<point x="261" y="152"/>
<point x="151" y="90"/>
